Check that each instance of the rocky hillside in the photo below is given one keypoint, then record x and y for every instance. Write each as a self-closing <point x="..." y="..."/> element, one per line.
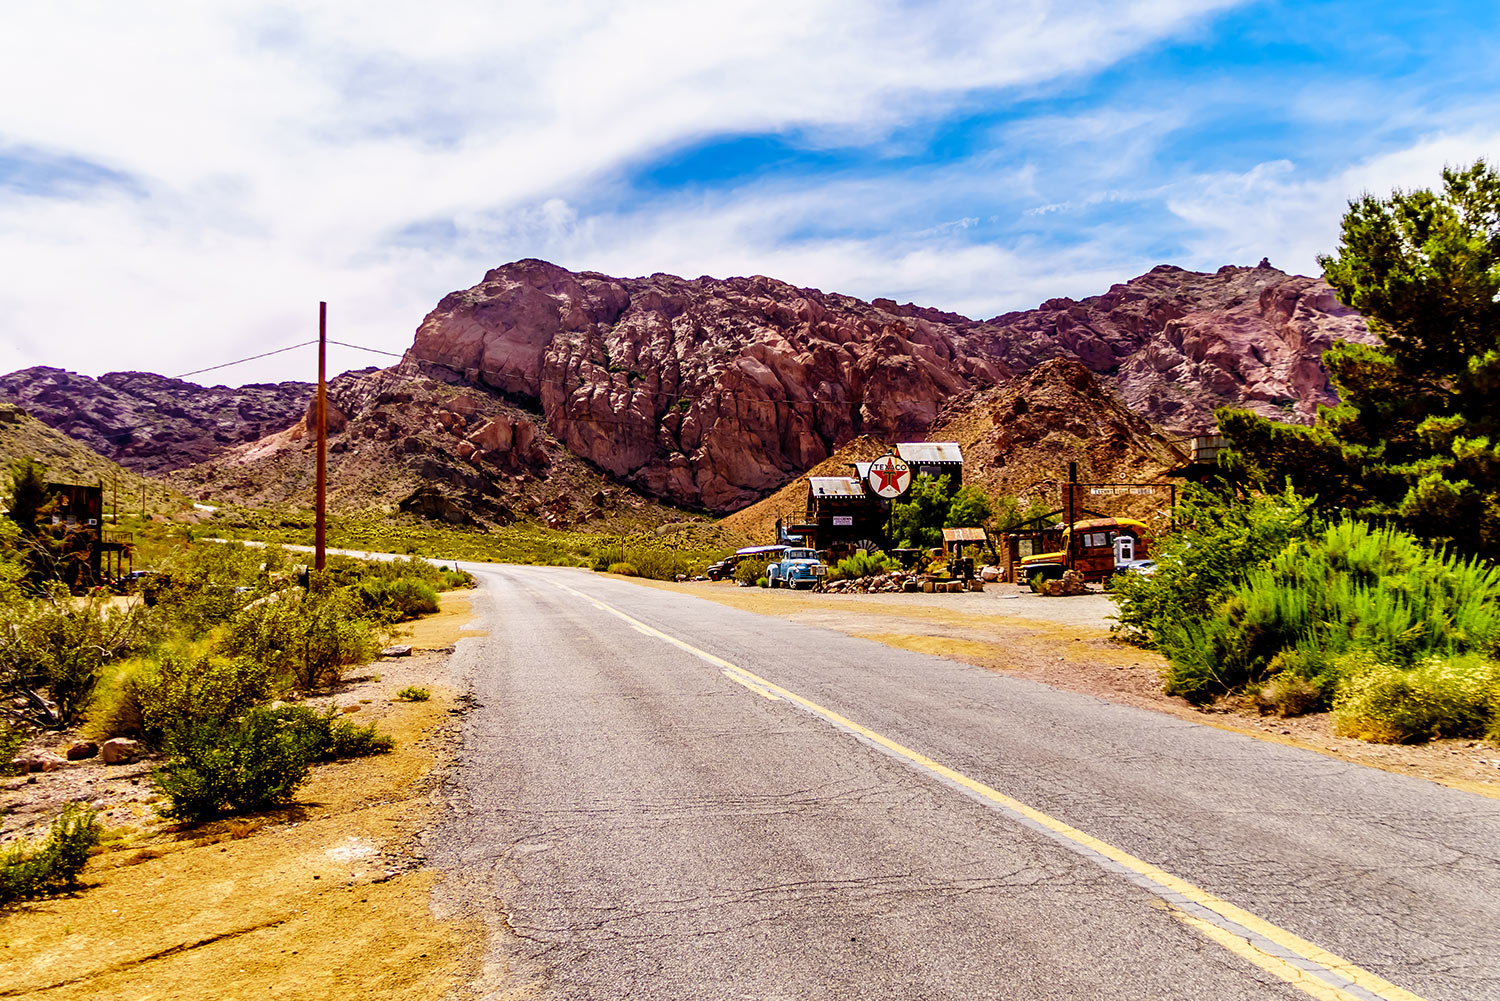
<point x="24" y="437"/>
<point x="1018" y="439"/>
<point x="150" y="423"/>
<point x="711" y="393"/>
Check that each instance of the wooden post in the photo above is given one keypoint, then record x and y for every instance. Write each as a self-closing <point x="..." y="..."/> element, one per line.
<point x="320" y="518"/>
<point x="1072" y="513"/>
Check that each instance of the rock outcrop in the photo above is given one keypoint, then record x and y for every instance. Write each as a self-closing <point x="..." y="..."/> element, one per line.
<point x="711" y="393"/>
<point x="150" y="423"/>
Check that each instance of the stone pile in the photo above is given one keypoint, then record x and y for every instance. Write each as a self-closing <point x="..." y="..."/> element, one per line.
<point x="886" y="583"/>
<point x="1070" y="584"/>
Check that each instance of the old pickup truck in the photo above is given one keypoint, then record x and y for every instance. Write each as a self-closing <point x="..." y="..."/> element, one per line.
<point x="797" y="568"/>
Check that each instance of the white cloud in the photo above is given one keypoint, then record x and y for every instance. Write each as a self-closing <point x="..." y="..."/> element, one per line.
<point x="1291" y="215"/>
<point x="272" y="149"/>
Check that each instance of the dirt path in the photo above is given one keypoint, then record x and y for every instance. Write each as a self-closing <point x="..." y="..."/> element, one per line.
<point x="329" y="898"/>
<point x="1065" y="642"/>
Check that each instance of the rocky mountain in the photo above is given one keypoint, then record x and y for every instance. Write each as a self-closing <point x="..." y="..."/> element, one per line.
<point x="400" y="441"/>
<point x="150" y="423"/>
<point x="710" y="393"/>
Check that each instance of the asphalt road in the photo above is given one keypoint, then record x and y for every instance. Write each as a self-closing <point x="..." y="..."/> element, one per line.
<point x="660" y="797"/>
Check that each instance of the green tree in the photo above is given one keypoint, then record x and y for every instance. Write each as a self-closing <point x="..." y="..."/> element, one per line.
<point x="918" y="518"/>
<point x="27" y="494"/>
<point x="931" y="505"/>
<point x="971" y="507"/>
<point x="1415" y="439"/>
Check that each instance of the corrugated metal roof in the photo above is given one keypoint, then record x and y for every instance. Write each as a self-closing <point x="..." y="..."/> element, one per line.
<point x="757" y="550"/>
<point x="963" y="535"/>
<point x="835" y="486"/>
<point x="930" y="451"/>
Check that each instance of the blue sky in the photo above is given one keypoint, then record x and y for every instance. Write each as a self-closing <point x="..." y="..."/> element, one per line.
<point x="182" y="183"/>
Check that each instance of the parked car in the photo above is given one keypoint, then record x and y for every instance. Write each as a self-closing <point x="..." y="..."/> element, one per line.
<point x="797" y="568"/>
<point x="1147" y="567"/>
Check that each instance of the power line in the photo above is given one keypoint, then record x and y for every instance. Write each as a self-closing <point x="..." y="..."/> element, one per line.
<point x="361" y="347"/>
<point x="241" y="361"/>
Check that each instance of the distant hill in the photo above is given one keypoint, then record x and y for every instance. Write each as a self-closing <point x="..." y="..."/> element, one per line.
<point x="150" y="423"/>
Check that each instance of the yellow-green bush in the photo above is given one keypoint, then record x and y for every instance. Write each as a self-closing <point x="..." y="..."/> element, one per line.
<point x="36" y="869"/>
<point x="624" y="569"/>
<point x="1440" y="697"/>
<point x="751" y="571"/>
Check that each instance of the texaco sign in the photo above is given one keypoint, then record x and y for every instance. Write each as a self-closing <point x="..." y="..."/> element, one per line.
<point x="890" y="477"/>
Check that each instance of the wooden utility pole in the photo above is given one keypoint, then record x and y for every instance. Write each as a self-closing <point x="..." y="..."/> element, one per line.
<point x="1072" y="512"/>
<point x="320" y="521"/>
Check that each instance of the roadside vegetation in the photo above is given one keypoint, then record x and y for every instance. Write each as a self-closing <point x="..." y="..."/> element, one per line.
<point x="205" y="663"/>
<point x="1349" y="566"/>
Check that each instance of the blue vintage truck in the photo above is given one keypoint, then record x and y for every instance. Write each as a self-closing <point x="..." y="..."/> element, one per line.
<point x="797" y="568"/>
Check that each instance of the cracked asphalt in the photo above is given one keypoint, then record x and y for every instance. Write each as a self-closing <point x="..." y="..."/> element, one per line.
<point x="632" y="823"/>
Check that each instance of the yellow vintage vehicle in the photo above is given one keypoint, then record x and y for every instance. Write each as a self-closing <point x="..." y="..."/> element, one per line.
<point x="1102" y="546"/>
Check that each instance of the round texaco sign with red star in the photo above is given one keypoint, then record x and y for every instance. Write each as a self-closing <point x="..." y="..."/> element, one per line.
<point x="890" y="477"/>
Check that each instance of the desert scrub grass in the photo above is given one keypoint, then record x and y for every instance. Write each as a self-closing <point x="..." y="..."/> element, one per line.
<point x="37" y="869"/>
<point x="413" y="693"/>
<point x="1440" y="697"/>
<point x="398" y="600"/>
<point x="623" y="569"/>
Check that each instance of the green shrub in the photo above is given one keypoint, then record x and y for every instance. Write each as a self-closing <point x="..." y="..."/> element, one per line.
<point x="863" y="564"/>
<point x="1290" y="695"/>
<point x="11" y="739"/>
<point x="347" y="739"/>
<point x="763" y="582"/>
<point x="1199" y="566"/>
<point x="1440" y="697"/>
<point x="30" y="870"/>
<point x="52" y="644"/>
<point x="330" y="735"/>
<point x="624" y="569"/>
<point x="750" y="571"/>
<point x="306" y="638"/>
<point x="251" y="763"/>
<point x="207" y="583"/>
<point x="180" y="686"/>
<point x="1352" y="587"/>
<point x="412" y="693"/>
<point x="398" y="600"/>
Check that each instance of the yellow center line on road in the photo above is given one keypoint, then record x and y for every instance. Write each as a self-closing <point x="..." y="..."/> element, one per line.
<point x="1303" y="964"/>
